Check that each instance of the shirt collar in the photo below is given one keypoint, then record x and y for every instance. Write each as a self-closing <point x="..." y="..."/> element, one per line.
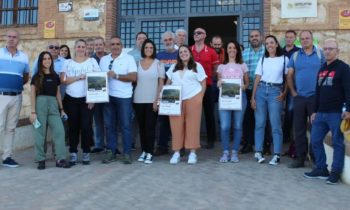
<point x="8" y="52"/>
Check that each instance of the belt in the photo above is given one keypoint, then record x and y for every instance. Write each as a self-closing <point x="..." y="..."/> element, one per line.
<point x="271" y="84"/>
<point x="10" y="93"/>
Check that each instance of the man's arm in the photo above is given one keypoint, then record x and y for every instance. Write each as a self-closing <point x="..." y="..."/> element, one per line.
<point x="130" y="77"/>
<point x="25" y="78"/>
<point x="290" y="82"/>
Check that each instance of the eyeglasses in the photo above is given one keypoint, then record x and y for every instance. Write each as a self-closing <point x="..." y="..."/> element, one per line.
<point x="110" y="64"/>
<point x="198" y="33"/>
<point x="116" y="44"/>
<point x="329" y="48"/>
<point x="51" y="47"/>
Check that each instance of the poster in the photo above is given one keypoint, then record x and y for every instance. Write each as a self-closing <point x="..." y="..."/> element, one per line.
<point x="344" y="18"/>
<point x="97" y="87"/>
<point x="49" y="29"/>
<point x="170" y="102"/>
<point x="230" y="96"/>
<point x="298" y="8"/>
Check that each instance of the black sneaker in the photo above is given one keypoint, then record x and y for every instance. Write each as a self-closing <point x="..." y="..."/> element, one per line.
<point x="133" y="148"/>
<point x="41" y="165"/>
<point x="62" y="164"/>
<point x="333" y="178"/>
<point x="317" y="173"/>
<point x="9" y="162"/>
<point x="296" y="163"/>
<point x="97" y="150"/>
<point x="210" y="145"/>
<point x="247" y="148"/>
<point x="161" y="151"/>
<point x="127" y="159"/>
<point x="110" y="157"/>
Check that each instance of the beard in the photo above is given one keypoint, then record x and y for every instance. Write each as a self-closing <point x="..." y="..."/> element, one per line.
<point x="217" y="50"/>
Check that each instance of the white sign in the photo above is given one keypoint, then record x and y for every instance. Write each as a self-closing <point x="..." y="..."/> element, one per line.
<point x="170" y="102"/>
<point x="65" y="7"/>
<point x="230" y="97"/>
<point x="298" y="8"/>
<point x="97" y="87"/>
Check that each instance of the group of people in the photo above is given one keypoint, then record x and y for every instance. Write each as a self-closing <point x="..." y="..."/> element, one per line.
<point x="310" y="84"/>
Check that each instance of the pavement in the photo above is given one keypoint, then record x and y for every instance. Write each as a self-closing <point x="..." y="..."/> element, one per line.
<point x="208" y="185"/>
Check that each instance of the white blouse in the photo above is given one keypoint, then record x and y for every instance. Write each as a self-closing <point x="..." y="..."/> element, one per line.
<point x="272" y="69"/>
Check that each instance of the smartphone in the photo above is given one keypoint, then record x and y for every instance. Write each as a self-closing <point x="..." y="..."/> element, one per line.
<point x="36" y="123"/>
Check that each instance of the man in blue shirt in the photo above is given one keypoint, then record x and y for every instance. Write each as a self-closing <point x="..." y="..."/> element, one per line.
<point x="302" y="76"/>
<point x="14" y="73"/>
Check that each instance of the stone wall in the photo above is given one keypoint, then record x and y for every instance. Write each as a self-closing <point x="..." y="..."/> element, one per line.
<point x="324" y="26"/>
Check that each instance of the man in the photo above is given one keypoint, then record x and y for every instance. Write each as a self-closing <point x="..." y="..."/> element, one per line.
<point x="290" y="37"/>
<point x="99" y="127"/>
<point x="332" y="91"/>
<point x="302" y="74"/>
<point x="168" y="57"/>
<point x="136" y="52"/>
<point x="217" y="44"/>
<point x="14" y="73"/>
<point x="90" y="46"/>
<point x="121" y="69"/>
<point x="251" y="56"/>
<point x="181" y="36"/>
<point x="206" y="56"/>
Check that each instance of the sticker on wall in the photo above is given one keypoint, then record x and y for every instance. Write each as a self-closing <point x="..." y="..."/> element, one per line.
<point x="344" y="18"/>
<point x="49" y="29"/>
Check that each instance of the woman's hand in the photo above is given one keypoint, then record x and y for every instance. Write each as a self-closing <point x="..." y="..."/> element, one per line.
<point x="219" y="83"/>
<point x="155" y="105"/>
<point x="32" y="117"/>
<point x="281" y="97"/>
<point x="91" y="106"/>
<point x="81" y="77"/>
<point x="253" y="103"/>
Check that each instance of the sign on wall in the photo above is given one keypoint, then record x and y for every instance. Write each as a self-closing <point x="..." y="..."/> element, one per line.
<point x="49" y="29"/>
<point x="344" y="18"/>
<point x="298" y="8"/>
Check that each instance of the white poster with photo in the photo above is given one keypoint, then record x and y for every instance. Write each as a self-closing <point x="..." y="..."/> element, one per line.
<point x="298" y="8"/>
<point x="97" y="87"/>
<point x="170" y="101"/>
<point x="230" y="97"/>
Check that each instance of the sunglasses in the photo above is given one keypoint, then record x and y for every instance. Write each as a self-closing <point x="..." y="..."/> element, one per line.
<point x="110" y="64"/>
<point x="198" y="33"/>
<point x="51" y="47"/>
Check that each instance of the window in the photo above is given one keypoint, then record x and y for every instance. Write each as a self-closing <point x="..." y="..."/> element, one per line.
<point x="18" y="12"/>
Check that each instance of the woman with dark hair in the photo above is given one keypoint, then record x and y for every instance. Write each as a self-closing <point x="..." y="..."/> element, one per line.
<point x="65" y="52"/>
<point x="185" y="128"/>
<point x="232" y="68"/>
<point x="47" y="109"/>
<point x="79" y="112"/>
<point x="150" y="80"/>
<point x="268" y="94"/>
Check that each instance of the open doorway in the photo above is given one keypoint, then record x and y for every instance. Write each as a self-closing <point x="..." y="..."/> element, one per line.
<point x="224" y="26"/>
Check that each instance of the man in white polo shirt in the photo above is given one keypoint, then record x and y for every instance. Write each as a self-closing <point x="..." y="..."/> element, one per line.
<point x="14" y="72"/>
<point x="121" y="69"/>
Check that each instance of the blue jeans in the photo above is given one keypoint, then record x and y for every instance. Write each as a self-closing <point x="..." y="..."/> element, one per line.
<point x="265" y="98"/>
<point x="118" y="112"/>
<point x="99" y="128"/>
<point x="323" y="123"/>
<point x="237" y="123"/>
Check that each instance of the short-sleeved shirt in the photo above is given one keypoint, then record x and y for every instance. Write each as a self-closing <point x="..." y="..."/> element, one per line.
<point x="272" y="69"/>
<point x="251" y="58"/>
<point x="306" y="69"/>
<point x="232" y="70"/>
<point x="57" y="65"/>
<point x="12" y="69"/>
<point x="208" y="58"/>
<point x="49" y="86"/>
<point x="168" y="58"/>
<point x="98" y="58"/>
<point x="147" y="82"/>
<point x="121" y="65"/>
<point x="190" y="82"/>
<point x="71" y="68"/>
<point x="136" y="54"/>
<point x="290" y="52"/>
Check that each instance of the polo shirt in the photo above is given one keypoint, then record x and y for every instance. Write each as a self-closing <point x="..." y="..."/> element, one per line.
<point x="136" y="54"/>
<point x="251" y="58"/>
<point x="306" y="69"/>
<point x="167" y="58"/>
<point x="12" y="69"/>
<point x="207" y="57"/>
<point x="57" y="65"/>
<point x="290" y="52"/>
<point x="122" y="65"/>
<point x="97" y="58"/>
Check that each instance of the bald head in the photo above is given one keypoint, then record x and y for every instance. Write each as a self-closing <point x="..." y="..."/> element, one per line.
<point x="12" y="39"/>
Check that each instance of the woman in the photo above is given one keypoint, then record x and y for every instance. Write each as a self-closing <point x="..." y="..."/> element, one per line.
<point x="185" y="128"/>
<point x="65" y="52"/>
<point x="150" y="80"/>
<point x="232" y="67"/>
<point x="47" y="109"/>
<point x="268" y="94"/>
<point x="79" y="112"/>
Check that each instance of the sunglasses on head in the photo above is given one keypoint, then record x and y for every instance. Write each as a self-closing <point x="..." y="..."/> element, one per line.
<point x="54" y="47"/>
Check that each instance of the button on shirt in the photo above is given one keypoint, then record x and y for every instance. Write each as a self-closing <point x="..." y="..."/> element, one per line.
<point x="12" y="69"/>
<point x="122" y="65"/>
<point x="251" y="58"/>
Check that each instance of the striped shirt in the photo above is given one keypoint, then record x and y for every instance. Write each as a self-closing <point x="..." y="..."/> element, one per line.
<point x="12" y="69"/>
<point x="251" y="58"/>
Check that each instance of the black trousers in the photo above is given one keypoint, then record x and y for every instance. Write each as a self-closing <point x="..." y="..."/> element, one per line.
<point x="79" y="122"/>
<point x="208" y="107"/>
<point x="147" y="120"/>
<point x="249" y="121"/>
<point x="303" y="108"/>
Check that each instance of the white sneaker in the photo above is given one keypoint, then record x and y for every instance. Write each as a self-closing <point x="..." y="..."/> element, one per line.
<point x="142" y="157"/>
<point x="192" y="158"/>
<point x="148" y="159"/>
<point x="275" y="160"/>
<point x="234" y="157"/>
<point x="175" y="159"/>
<point x="259" y="157"/>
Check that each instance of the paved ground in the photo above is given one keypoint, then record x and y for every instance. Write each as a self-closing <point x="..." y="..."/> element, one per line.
<point x="209" y="185"/>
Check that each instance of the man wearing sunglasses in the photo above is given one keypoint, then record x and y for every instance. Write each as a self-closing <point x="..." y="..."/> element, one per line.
<point x="206" y="56"/>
